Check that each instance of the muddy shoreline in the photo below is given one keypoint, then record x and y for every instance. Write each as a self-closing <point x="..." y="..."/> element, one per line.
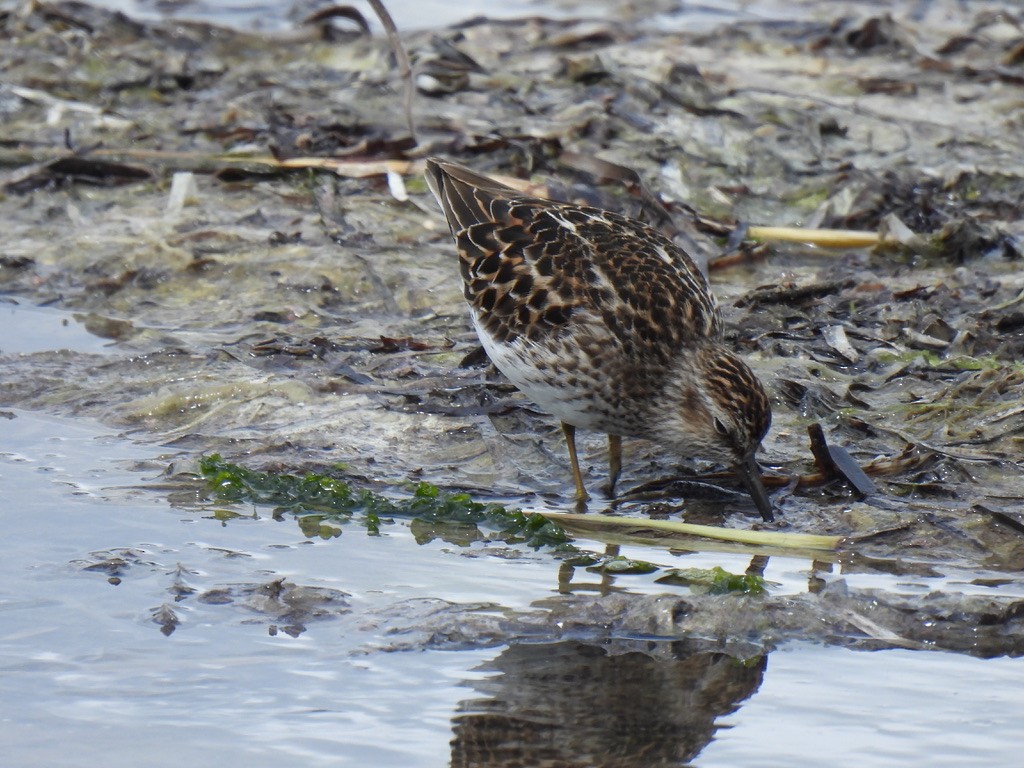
<point x="298" y="318"/>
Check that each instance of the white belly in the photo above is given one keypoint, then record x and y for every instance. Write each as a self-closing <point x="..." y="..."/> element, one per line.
<point x="572" y="393"/>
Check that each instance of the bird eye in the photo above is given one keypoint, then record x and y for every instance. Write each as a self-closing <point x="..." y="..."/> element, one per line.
<point x="720" y="427"/>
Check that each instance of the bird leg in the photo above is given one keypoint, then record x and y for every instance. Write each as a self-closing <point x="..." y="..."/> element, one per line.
<point x="614" y="463"/>
<point x="570" y="441"/>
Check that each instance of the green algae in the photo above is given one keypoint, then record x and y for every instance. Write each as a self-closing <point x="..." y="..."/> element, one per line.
<point x="716" y="581"/>
<point x="322" y="503"/>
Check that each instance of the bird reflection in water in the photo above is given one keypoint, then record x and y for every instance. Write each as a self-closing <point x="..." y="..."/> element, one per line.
<point x="622" y="703"/>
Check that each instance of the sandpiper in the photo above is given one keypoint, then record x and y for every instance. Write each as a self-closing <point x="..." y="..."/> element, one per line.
<point x="603" y="322"/>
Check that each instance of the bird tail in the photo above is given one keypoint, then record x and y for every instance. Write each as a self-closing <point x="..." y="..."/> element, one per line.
<point x="464" y="196"/>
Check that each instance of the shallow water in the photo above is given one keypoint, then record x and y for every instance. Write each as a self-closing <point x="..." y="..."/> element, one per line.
<point x="83" y="657"/>
<point x="829" y="706"/>
<point x="36" y="329"/>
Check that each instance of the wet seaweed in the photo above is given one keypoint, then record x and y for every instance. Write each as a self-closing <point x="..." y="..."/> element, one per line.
<point x="715" y="581"/>
<point x="318" y="500"/>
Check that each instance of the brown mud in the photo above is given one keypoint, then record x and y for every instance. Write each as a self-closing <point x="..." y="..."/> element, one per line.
<point x="303" y="317"/>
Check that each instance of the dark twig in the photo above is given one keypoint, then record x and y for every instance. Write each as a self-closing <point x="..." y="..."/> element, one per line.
<point x="835" y="461"/>
<point x="404" y="67"/>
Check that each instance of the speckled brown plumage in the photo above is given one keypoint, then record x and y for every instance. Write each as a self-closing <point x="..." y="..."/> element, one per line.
<point x="601" y="320"/>
<point x="528" y="265"/>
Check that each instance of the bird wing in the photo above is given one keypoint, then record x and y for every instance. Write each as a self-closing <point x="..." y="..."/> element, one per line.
<point x="535" y="268"/>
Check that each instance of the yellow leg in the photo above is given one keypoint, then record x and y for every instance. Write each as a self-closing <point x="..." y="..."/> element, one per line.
<point x="570" y="440"/>
<point x="614" y="462"/>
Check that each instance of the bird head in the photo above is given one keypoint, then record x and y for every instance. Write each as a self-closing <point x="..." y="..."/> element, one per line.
<point x="721" y="412"/>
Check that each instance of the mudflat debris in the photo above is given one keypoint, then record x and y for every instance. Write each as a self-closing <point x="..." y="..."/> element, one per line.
<point x="245" y="216"/>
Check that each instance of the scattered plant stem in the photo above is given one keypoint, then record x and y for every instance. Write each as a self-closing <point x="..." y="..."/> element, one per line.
<point x="760" y="538"/>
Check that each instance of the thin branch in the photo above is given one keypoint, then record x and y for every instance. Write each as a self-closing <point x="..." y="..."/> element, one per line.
<point x="404" y="67"/>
